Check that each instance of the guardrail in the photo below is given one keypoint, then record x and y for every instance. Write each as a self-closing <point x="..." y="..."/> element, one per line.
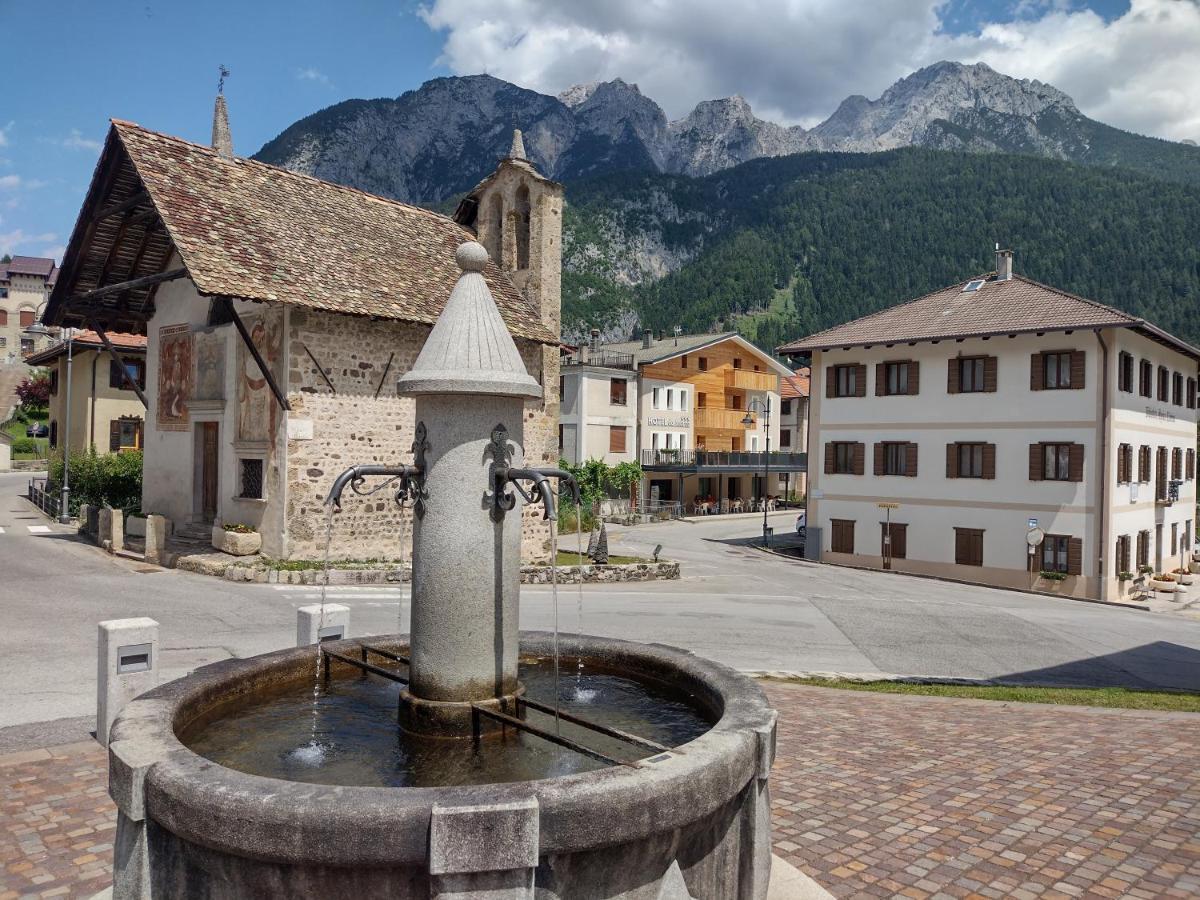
<point x="779" y="460"/>
<point x="606" y="359"/>
<point x="43" y="499"/>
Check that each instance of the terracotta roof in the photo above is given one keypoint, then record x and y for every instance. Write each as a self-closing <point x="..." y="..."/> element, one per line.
<point x="250" y="230"/>
<point x="28" y="265"/>
<point x="792" y="386"/>
<point x="1014" y="306"/>
<point x="129" y="343"/>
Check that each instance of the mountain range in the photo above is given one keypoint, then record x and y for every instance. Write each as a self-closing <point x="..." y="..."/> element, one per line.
<point x="439" y="140"/>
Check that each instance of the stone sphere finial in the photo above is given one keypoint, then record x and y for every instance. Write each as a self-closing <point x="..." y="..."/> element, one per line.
<point x="471" y="256"/>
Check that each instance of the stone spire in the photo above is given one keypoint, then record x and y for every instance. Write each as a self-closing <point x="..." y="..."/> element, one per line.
<point x="517" y="151"/>
<point x="222" y="140"/>
<point x="470" y="350"/>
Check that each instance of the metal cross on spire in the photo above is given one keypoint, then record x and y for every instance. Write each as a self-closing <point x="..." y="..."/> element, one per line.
<point x="221" y="81"/>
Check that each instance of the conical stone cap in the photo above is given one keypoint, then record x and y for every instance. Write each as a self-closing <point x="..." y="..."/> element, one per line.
<point x="469" y="350"/>
<point x="517" y="150"/>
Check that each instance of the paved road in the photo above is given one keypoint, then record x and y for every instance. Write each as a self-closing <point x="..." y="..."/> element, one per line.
<point x="735" y="604"/>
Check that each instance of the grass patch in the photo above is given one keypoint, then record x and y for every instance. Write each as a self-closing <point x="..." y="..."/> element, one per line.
<point x="1118" y="698"/>
<point x="571" y="558"/>
<point x="16" y="429"/>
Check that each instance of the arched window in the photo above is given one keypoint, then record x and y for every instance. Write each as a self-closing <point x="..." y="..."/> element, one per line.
<point x="522" y="227"/>
<point x="493" y="232"/>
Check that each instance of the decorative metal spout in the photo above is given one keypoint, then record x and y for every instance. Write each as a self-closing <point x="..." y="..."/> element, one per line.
<point x="503" y="500"/>
<point x="406" y="479"/>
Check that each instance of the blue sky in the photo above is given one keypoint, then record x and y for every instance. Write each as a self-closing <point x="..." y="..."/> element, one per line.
<point x="155" y="62"/>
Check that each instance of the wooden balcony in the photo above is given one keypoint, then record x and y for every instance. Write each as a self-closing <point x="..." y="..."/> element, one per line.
<point x="715" y="418"/>
<point x="743" y="380"/>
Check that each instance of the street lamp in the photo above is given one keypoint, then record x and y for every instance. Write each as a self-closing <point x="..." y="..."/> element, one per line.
<point x="764" y="406"/>
<point x="39" y="329"/>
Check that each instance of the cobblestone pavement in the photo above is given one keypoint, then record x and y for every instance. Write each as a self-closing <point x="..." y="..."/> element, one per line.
<point x="881" y="795"/>
<point x="874" y="795"/>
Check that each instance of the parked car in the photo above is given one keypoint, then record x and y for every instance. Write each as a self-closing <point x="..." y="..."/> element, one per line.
<point x="801" y="522"/>
<point x="37" y="430"/>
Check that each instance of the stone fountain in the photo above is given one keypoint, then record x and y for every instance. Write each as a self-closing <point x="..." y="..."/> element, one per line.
<point x="449" y="763"/>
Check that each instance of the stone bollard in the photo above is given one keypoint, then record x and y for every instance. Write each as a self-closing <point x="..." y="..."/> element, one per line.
<point x="112" y="529"/>
<point x="156" y="539"/>
<point x="85" y="515"/>
<point x="126" y="666"/>
<point x="312" y="627"/>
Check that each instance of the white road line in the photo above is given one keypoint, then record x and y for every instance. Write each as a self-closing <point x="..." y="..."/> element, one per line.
<point x="1" y="531"/>
<point x="38" y="529"/>
<point x="341" y="588"/>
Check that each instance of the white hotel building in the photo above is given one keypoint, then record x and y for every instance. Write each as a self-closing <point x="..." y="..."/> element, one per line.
<point x="994" y="407"/>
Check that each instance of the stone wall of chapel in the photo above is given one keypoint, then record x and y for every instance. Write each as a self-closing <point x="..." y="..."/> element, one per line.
<point x="329" y="432"/>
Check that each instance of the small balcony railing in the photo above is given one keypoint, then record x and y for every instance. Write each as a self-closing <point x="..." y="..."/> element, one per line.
<point x="715" y="417"/>
<point x="780" y="460"/>
<point x="605" y="359"/>
<point x="751" y="381"/>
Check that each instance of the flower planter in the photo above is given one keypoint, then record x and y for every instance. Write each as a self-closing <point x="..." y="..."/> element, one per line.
<point x="236" y="543"/>
<point x="1167" y="587"/>
<point x="1184" y="580"/>
<point x="1194" y="567"/>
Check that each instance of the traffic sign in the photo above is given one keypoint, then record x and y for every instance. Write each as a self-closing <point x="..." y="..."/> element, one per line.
<point x="1035" y="536"/>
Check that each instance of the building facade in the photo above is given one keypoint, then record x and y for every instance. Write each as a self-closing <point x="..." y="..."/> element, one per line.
<point x="793" y="429"/>
<point x="690" y="408"/>
<point x="1004" y="432"/>
<point x="25" y="286"/>
<point x="106" y="415"/>
<point x="274" y="342"/>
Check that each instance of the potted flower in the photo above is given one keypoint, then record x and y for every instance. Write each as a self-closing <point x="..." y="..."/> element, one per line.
<point x="1183" y="576"/>
<point x="236" y="539"/>
<point x="1164" y="581"/>
<point x="1053" y="580"/>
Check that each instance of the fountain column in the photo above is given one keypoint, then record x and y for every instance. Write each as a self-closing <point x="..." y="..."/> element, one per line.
<point x="469" y="383"/>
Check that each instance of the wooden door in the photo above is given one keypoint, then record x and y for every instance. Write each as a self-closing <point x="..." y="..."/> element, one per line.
<point x="208" y="470"/>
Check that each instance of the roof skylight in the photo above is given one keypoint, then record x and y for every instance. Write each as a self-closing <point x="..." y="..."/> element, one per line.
<point x="973" y="286"/>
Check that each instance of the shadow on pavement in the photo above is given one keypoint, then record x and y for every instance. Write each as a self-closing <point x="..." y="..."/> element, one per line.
<point x="1158" y="665"/>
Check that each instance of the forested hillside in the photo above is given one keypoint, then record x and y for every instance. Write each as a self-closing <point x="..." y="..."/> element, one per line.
<point x="782" y="247"/>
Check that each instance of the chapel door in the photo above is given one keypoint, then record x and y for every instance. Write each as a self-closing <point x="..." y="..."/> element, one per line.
<point x="208" y="470"/>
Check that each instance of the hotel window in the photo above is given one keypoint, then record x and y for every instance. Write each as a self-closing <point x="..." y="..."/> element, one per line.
<point x="1056" y="368"/>
<point x="618" y="391"/>
<point x="1144" y="464"/>
<point x="656" y="398"/>
<point x="1177" y="389"/>
<point x="1056" y="462"/>
<point x="670" y="398"/>
<point x="616" y="438"/>
<point x="971" y="374"/>
<point x="1125" y="372"/>
<point x="1062" y="553"/>
<point x="1164" y="384"/>
<point x="844" y="458"/>
<point x="841" y="535"/>
<point x="896" y="458"/>
<point x="682" y="399"/>
<point x="968" y="546"/>
<point x="971" y="461"/>
<point x="1124" y="463"/>
<point x="845" y="381"/>
<point x="896" y="379"/>
<point x="754" y="443"/>
<point x="1145" y="378"/>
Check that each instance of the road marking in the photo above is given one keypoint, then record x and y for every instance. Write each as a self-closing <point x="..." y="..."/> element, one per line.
<point x="1" y="531"/>
<point x="38" y="529"/>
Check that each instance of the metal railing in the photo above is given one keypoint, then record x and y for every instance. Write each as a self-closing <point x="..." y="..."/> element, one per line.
<point x="606" y="359"/>
<point x="780" y="460"/>
<point x="43" y="499"/>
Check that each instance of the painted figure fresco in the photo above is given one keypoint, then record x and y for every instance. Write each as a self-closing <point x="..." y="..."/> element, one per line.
<point x="175" y="374"/>
<point x="210" y="365"/>
<point x="257" y="409"/>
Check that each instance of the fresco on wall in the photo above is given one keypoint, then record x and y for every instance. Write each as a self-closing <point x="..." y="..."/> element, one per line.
<point x="210" y="365"/>
<point x="257" y="409"/>
<point x="175" y="371"/>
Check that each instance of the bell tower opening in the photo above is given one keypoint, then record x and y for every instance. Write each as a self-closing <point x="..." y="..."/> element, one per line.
<point x="493" y="227"/>
<point x="522" y="222"/>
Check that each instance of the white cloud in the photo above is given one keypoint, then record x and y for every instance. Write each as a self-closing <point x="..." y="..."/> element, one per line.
<point x="311" y="74"/>
<point x="76" y="141"/>
<point x="17" y="183"/>
<point x="795" y="60"/>
<point x="54" y="251"/>
<point x="14" y="241"/>
<point x="4" y="133"/>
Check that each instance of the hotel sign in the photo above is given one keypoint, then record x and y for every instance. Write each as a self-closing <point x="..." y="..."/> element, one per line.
<point x="670" y="422"/>
<point x="1161" y="414"/>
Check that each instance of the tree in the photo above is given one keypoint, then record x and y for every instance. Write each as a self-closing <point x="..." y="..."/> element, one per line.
<point x="5" y="259"/>
<point x="34" y="393"/>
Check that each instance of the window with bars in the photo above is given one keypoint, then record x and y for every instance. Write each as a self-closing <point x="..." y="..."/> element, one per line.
<point x="251" y="479"/>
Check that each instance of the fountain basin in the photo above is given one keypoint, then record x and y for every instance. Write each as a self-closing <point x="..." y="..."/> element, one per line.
<point x="698" y="815"/>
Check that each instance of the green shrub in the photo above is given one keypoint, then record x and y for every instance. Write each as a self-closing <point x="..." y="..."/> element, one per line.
<point x="108" y="479"/>
<point x="25" y="445"/>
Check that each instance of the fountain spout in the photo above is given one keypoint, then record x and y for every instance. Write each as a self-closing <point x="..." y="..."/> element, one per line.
<point x="404" y="477"/>
<point x="503" y="476"/>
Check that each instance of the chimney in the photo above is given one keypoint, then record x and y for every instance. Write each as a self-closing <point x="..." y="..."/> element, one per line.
<point x="647" y="339"/>
<point x="517" y="150"/>
<point x="595" y="338"/>
<point x="222" y="140"/>
<point x="1003" y="264"/>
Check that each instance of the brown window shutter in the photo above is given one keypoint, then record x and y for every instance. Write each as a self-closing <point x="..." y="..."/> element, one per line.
<point x="829" y="382"/>
<point x="1121" y="464"/>
<point x="860" y="458"/>
<point x="1191" y="464"/>
<point x="830" y="450"/>
<point x="1078" y="368"/>
<point x="880" y="379"/>
<point x="860" y="381"/>
<point x="914" y="377"/>
<point x="114" y="436"/>
<point x="879" y="451"/>
<point x="1075" y="463"/>
<point x="1177" y="463"/>
<point x="952" y="460"/>
<point x="990" y="365"/>
<point x="1037" y="373"/>
<point x="989" y="460"/>
<point x="1075" y="556"/>
<point x="1036" y="471"/>
<point x="952" y="373"/>
<point x="910" y="460"/>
